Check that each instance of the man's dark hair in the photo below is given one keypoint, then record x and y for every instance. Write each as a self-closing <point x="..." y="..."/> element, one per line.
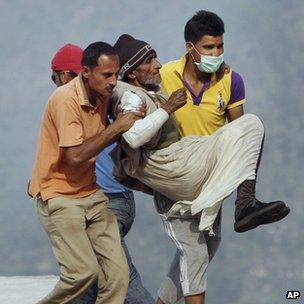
<point x="92" y="53"/>
<point x="203" y="23"/>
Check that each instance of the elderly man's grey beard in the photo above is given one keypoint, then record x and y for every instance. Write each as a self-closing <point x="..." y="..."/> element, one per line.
<point x="151" y="84"/>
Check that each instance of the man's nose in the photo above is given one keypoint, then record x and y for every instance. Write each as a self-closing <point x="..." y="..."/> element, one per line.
<point x="157" y="64"/>
<point x="113" y="81"/>
<point x="217" y="51"/>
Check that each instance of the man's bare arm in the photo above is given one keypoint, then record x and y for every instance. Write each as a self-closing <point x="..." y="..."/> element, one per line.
<point x="77" y="155"/>
<point x="235" y="113"/>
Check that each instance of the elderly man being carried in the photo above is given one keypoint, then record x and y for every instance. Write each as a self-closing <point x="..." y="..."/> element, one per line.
<point x="197" y="172"/>
<point x="190" y="176"/>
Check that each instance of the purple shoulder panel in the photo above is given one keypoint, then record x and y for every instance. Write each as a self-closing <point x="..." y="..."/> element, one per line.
<point x="237" y="88"/>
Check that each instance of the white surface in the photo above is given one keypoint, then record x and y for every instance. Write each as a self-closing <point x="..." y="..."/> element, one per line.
<point x="25" y="290"/>
<point x="130" y="102"/>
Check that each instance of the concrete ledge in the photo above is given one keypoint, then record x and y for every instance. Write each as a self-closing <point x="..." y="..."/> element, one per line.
<point x="25" y="290"/>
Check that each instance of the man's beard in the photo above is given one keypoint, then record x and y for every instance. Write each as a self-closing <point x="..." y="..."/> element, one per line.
<point x="151" y="84"/>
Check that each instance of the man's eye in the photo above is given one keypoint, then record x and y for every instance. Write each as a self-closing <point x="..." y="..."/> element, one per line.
<point x="149" y="59"/>
<point x="107" y="75"/>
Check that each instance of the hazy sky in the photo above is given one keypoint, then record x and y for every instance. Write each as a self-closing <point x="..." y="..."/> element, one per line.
<point x="264" y="42"/>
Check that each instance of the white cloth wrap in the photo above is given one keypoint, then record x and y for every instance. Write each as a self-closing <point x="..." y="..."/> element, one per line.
<point x="198" y="172"/>
<point x="143" y="129"/>
<point x="130" y="102"/>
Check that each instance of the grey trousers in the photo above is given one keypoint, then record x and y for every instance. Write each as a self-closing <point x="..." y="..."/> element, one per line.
<point x="195" y="249"/>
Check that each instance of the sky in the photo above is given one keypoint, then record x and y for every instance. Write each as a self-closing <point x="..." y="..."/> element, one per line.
<point x="264" y="42"/>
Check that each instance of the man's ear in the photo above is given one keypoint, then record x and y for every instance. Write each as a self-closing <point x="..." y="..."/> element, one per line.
<point x="85" y="71"/>
<point x="189" y="46"/>
<point x="132" y="76"/>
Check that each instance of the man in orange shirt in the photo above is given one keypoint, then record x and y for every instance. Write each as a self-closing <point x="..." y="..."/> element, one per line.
<point x="72" y="209"/>
<point x="66" y="65"/>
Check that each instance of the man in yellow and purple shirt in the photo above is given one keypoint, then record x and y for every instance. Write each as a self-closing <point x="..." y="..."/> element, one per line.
<point x="209" y="103"/>
<point x="215" y="93"/>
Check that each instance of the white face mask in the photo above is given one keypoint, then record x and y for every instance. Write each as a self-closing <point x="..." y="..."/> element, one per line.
<point x="208" y="64"/>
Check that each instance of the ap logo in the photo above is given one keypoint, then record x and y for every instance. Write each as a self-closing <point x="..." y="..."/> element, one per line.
<point x="293" y="294"/>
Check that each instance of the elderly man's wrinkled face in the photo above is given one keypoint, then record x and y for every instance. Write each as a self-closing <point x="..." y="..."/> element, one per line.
<point x="147" y="74"/>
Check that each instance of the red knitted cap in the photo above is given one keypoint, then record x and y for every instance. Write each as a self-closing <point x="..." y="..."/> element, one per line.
<point x="68" y="58"/>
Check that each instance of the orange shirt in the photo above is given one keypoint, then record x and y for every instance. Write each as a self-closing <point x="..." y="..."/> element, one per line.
<point x="68" y="120"/>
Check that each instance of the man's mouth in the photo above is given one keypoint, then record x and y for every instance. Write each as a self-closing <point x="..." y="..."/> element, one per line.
<point x="109" y="91"/>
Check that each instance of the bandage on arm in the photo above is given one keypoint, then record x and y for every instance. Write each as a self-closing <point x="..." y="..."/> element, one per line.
<point x="144" y="129"/>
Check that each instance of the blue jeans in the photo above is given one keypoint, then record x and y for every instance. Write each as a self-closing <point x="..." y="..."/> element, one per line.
<point x="123" y="206"/>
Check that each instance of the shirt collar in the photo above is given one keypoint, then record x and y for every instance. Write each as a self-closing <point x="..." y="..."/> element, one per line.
<point x="82" y="93"/>
<point x="179" y="68"/>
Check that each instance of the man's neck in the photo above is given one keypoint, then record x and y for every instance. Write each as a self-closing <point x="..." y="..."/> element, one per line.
<point x="93" y="98"/>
